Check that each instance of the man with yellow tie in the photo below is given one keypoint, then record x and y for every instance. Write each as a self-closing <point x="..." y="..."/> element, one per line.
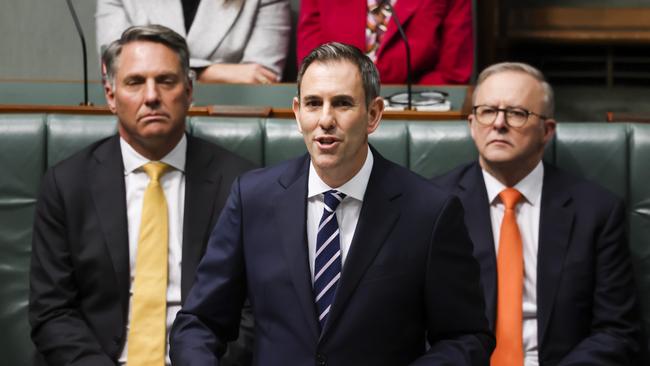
<point x="555" y="266"/>
<point x="120" y="226"/>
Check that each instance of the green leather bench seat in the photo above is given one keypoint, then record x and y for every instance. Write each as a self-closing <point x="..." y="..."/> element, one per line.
<point x="615" y="155"/>
<point x="22" y="160"/>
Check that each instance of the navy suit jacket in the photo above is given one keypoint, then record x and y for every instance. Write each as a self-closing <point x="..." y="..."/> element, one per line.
<point x="79" y="280"/>
<point x="586" y="303"/>
<point x="409" y="277"/>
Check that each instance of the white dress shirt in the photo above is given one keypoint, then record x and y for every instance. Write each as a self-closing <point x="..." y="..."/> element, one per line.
<point x="528" y="212"/>
<point x="173" y="184"/>
<point x="347" y="212"/>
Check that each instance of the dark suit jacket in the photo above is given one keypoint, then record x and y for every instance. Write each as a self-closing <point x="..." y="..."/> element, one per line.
<point x="79" y="281"/>
<point x="409" y="277"/>
<point x="439" y="34"/>
<point x="585" y="293"/>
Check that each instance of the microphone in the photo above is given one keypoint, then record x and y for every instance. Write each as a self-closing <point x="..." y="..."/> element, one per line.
<point x="83" y="49"/>
<point x="409" y="73"/>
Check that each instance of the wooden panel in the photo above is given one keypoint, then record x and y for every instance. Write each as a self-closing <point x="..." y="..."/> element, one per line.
<point x="580" y="24"/>
<point x="236" y="111"/>
<point x="590" y="18"/>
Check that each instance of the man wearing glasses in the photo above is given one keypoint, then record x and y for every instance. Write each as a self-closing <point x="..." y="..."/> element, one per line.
<point x="555" y="266"/>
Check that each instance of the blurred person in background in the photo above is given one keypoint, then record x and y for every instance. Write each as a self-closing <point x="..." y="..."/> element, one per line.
<point x="439" y="32"/>
<point x="230" y="41"/>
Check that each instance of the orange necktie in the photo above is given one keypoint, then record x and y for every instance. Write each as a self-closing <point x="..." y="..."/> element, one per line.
<point x="510" y="282"/>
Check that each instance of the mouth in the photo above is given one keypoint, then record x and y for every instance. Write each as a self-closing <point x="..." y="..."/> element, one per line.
<point x="153" y="117"/>
<point x="499" y="142"/>
<point x="327" y="142"/>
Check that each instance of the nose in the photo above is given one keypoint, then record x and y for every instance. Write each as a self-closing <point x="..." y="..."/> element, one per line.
<point x="327" y="120"/>
<point x="500" y="120"/>
<point x="151" y="93"/>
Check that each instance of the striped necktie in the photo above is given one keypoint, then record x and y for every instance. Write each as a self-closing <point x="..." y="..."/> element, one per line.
<point x="327" y="266"/>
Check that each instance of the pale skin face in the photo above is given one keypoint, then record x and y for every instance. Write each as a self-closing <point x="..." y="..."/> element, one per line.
<point x="151" y="97"/>
<point x="509" y="153"/>
<point x="334" y="120"/>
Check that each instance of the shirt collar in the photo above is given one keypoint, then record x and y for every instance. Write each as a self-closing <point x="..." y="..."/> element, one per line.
<point x="530" y="187"/>
<point x="134" y="160"/>
<point x="355" y="187"/>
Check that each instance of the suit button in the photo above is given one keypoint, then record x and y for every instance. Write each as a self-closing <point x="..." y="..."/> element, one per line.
<point x="321" y="360"/>
<point x="117" y="340"/>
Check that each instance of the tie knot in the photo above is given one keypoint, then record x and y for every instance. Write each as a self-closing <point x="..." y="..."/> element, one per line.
<point x="155" y="169"/>
<point x="510" y="197"/>
<point x="332" y="199"/>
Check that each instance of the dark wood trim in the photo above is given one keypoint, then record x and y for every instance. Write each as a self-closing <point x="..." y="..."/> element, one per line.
<point x="580" y="25"/>
<point x="627" y="117"/>
<point x="239" y="111"/>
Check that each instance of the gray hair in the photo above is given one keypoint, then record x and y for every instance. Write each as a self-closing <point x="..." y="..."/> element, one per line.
<point x="335" y="51"/>
<point x="149" y="33"/>
<point x="549" y="99"/>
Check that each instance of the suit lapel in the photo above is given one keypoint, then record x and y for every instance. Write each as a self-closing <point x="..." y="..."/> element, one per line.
<point x="106" y="181"/>
<point x="227" y="11"/>
<point x="291" y="221"/>
<point x="556" y="221"/>
<point x="404" y="11"/>
<point x="201" y="186"/>
<point x="377" y="218"/>
<point x="473" y="195"/>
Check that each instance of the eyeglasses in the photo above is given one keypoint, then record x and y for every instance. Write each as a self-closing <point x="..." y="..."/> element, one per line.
<point x="515" y="117"/>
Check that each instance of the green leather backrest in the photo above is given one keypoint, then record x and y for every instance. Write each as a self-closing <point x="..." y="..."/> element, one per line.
<point x="639" y="215"/>
<point x="614" y="155"/>
<point x="436" y="148"/>
<point x="282" y="141"/>
<point x="391" y="140"/>
<point x="22" y="163"/>
<point x="595" y="151"/>
<point x="67" y="134"/>
<point x="242" y="136"/>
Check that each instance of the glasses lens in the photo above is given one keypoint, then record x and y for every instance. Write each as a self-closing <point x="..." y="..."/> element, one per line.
<point x="486" y="114"/>
<point x="516" y="116"/>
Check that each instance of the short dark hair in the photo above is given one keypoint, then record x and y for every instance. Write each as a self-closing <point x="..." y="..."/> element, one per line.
<point x="335" y="51"/>
<point x="150" y="33"/>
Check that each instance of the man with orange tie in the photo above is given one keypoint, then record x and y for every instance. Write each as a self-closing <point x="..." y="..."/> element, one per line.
<point x="121" y="226"/>
<point x="555" y="266"/>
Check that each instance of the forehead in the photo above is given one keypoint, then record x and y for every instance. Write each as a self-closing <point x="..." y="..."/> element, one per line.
<point x="147" y="57"/>
<point x="332" y="77"/>
<point x="510" y="88"/>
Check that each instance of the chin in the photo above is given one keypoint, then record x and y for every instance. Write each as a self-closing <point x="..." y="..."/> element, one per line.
<point x="498" y="155"/>
<point x="325" y="162"/>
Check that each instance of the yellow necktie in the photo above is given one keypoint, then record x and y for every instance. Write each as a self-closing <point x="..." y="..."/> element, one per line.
<point x="510" y="283"/>
<point x="147" y="330"/>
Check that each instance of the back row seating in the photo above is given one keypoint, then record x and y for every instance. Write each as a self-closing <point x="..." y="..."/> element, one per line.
<point x="615" y="155"/>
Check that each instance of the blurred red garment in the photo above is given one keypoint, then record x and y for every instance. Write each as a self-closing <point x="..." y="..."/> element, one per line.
<point x="440" y="34"/>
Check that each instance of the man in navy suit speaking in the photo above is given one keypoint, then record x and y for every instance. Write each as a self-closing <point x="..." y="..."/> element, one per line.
<point x="347" y="258"/>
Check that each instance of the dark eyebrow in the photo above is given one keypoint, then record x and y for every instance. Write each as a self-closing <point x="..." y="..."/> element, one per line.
<point x="344" y="98"/>
<point x="166" y="75"/>
<point x="310" y="98"/>
<point x="133" y="77"/>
